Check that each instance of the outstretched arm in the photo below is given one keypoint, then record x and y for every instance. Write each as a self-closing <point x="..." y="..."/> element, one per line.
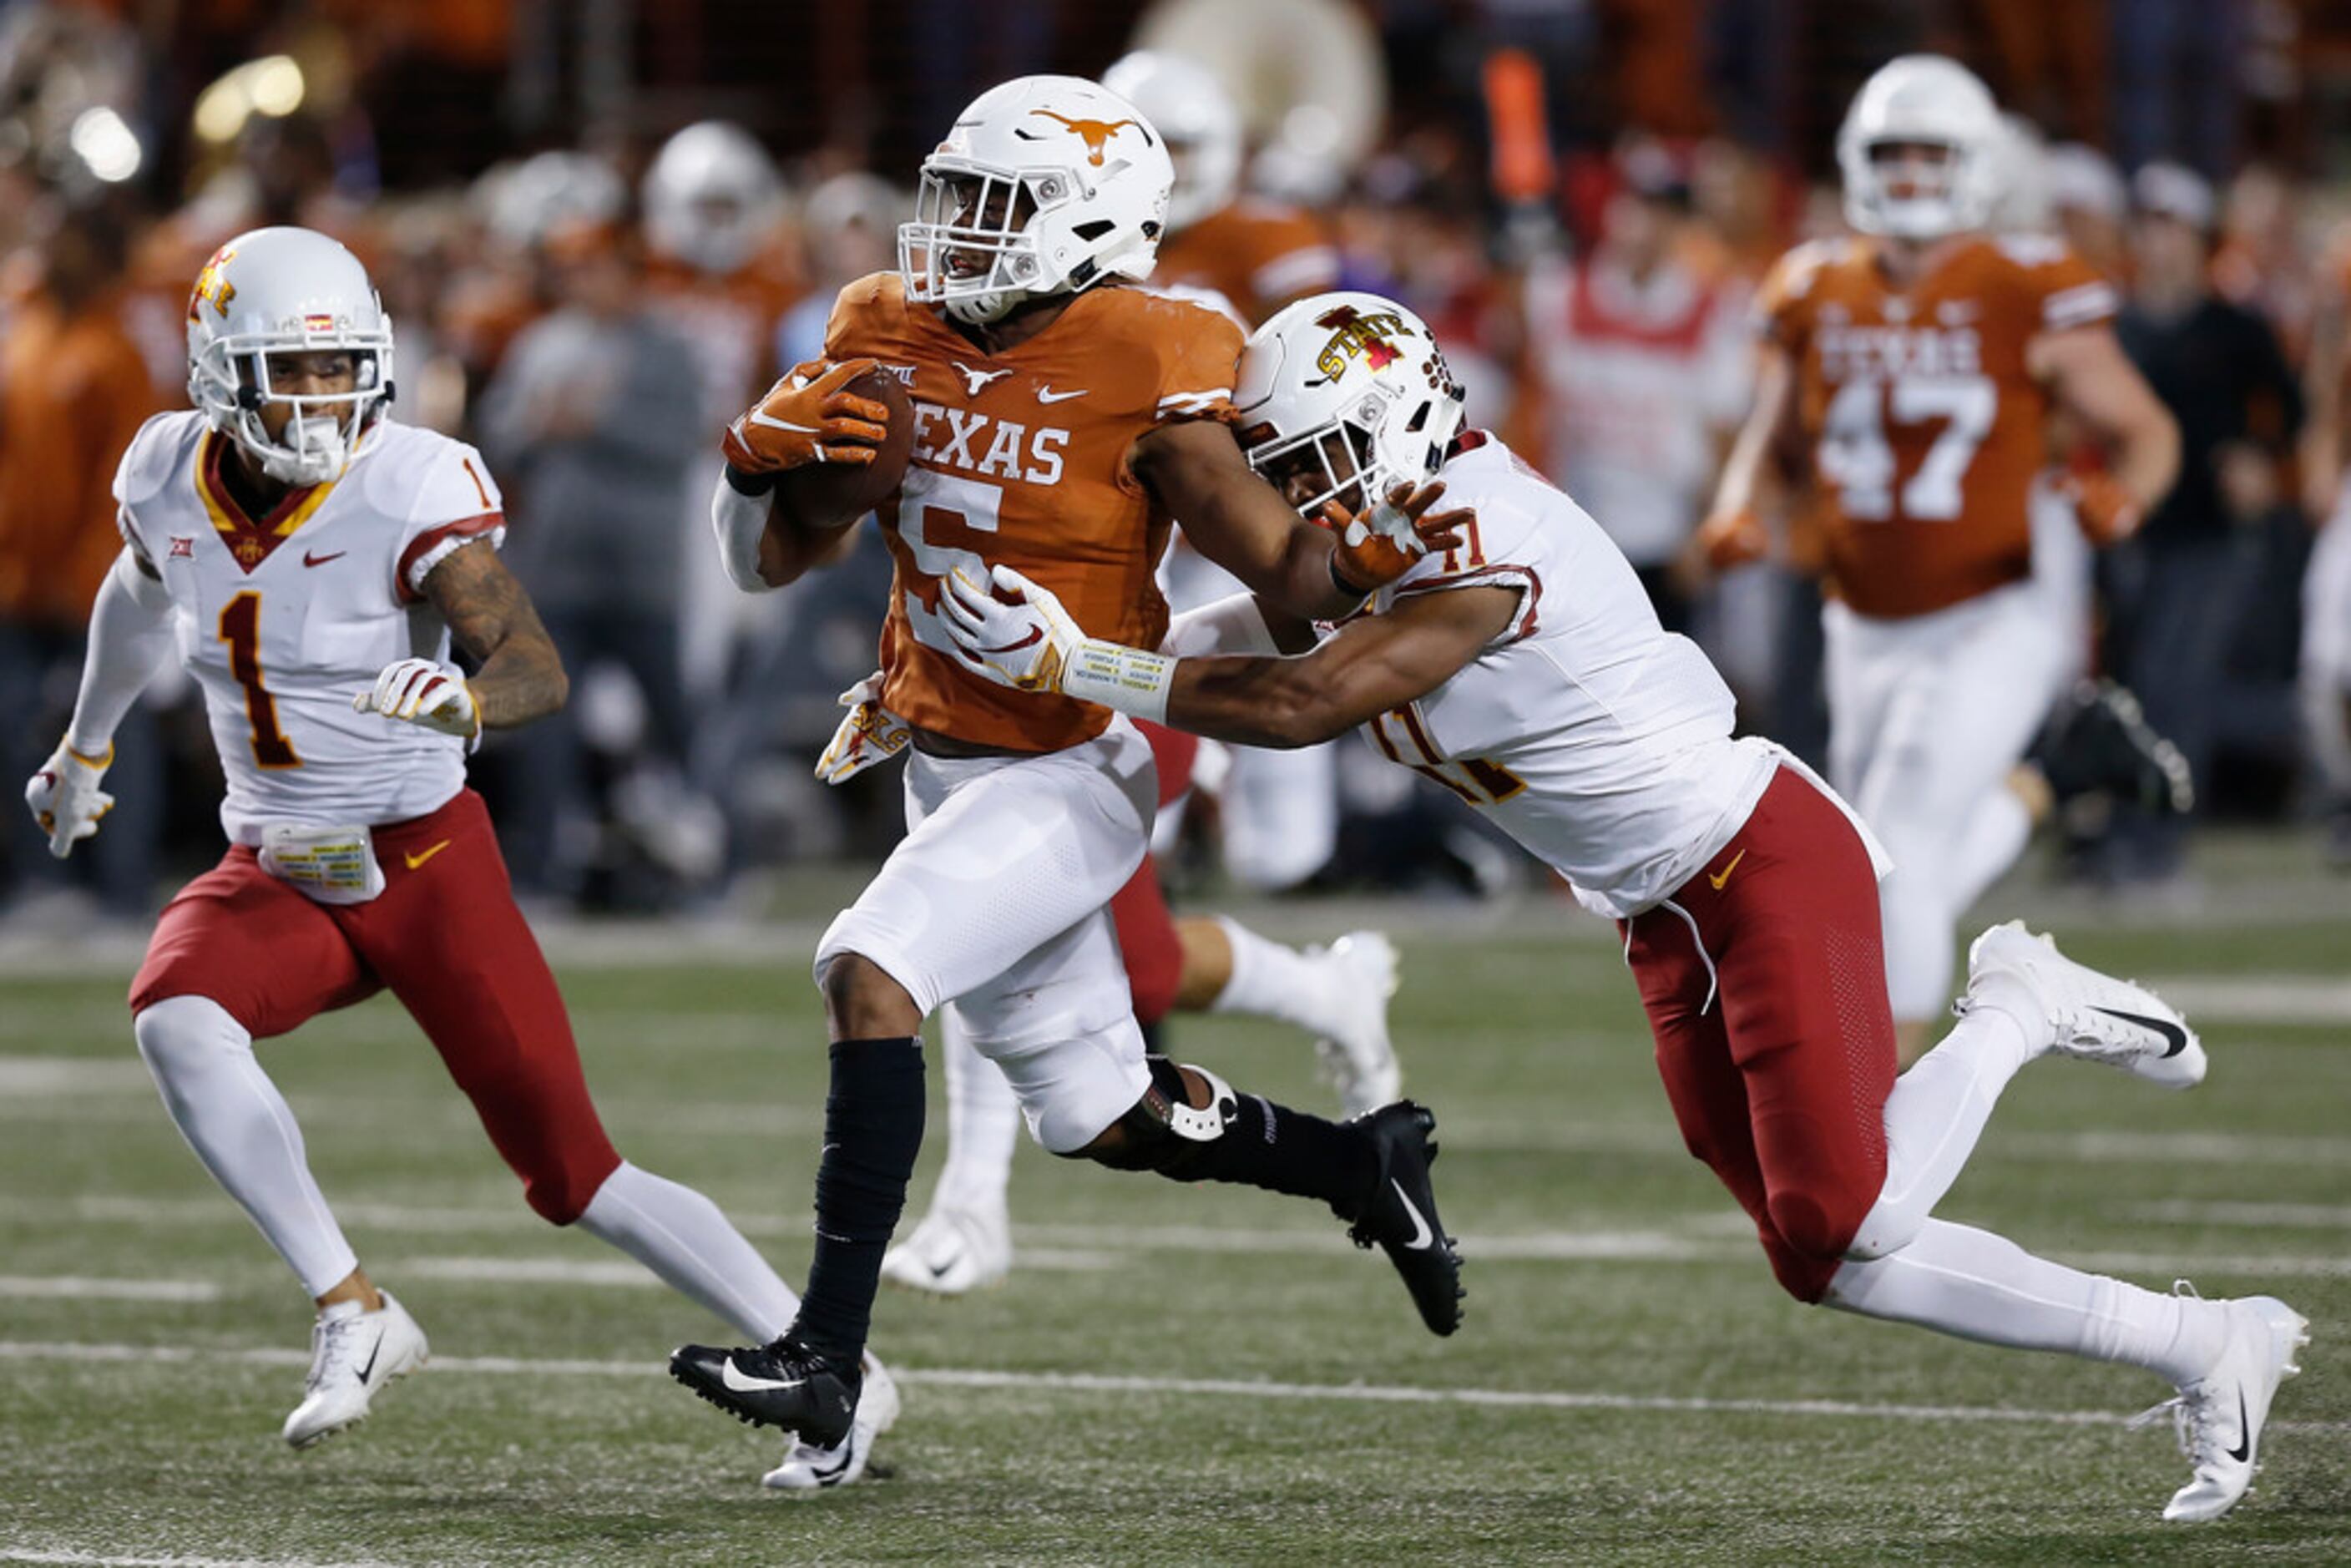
<point x="1372" y="663"/>
<point x="521" y="676"/>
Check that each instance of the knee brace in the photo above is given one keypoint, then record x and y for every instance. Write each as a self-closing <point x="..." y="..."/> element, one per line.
<point x="1164" y="1130"/>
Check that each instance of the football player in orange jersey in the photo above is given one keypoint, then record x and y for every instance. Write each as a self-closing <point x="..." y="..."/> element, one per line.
<point x="1907" y="375"/>
<point x="1062" y="419"/>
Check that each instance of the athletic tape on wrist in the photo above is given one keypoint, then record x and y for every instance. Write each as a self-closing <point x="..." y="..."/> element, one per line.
<point x="1132" y="680"/>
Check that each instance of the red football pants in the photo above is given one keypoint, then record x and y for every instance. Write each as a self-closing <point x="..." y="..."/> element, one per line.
<point x="446" y="937"/>
<point x="1765" y="986"/>
<point x="1146" y="928"/>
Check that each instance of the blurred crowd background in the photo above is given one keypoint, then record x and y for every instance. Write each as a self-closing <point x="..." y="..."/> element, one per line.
<point x="602" y="226"/>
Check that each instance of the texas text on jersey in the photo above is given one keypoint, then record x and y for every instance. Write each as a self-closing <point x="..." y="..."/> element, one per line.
<point x="1020" y="457"/>
<point x="280" y="618"/>
<point x="1926" y="421"/>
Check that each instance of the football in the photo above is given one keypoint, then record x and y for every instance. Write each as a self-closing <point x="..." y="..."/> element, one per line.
<point x="820" y="496"/>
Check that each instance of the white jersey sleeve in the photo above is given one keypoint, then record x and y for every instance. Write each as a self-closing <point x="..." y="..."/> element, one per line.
<point x="1599" y="741"/>
<point x="444" y="502"/>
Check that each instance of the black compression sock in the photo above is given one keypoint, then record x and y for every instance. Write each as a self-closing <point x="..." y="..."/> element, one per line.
<point x="1286" y="1151"/>
<point x="872" y="1131"/>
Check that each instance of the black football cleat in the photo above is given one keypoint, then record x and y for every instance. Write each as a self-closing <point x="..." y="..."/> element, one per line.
<point x="2099" y="739"/>
<point x="1400" y="1217"/>
<point x="780" y="1383"/>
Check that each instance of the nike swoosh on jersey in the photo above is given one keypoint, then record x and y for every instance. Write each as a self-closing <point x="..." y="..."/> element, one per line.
<point x="758" y="418"/>
<point x="2171" y="1032"/>
<point x="417" y="860"/>
<point x="1047" y="394"/>
<point x="1421" y="1234"/>
<point x="310" y="560"/>
<point x="743" y="1382"/>
<point x="1718" y="880"/>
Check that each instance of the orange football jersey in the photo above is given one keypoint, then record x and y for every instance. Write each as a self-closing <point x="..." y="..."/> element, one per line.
<point x="1020" y="461"/>
<point x="1259" y="255"/>
<point x="1926" y="425"/>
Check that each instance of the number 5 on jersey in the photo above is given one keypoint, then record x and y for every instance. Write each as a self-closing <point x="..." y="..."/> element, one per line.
<point x="240" y="628"/>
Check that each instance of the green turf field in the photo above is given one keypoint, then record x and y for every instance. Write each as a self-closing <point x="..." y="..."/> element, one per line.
<point x="1175" y="1374"/>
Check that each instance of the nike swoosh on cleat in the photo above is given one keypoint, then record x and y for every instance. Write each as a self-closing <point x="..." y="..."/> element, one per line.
<point x="2164" y="1027"/>
<point x="1421" y="1234"/>
<point x="743" y="1382"/>
<point x="939" y="1270"/>
<point x="378" y="1351"/>
<point x="2244" y="1448"/>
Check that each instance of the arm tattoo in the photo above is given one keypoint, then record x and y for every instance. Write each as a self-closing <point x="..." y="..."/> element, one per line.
<point x="521" y="675"/>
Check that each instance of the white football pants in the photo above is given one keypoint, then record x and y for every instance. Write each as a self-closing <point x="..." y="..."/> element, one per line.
<point x="1926" y="717"/>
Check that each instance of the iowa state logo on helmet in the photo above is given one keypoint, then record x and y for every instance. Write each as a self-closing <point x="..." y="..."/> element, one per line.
<point x="1355" y="335"/>
<point x="213" y="286"/>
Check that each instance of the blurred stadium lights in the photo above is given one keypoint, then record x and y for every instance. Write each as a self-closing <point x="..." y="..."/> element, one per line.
<point x="272" y="86"/>
<point x="105" y="144"/>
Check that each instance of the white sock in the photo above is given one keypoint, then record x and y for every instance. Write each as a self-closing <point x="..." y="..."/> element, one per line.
<point x="241" y="1128"/>
<point x="684" y="1239"/>
<point x="1269" y="980"/>
<point x="1997" y="831"/>
<point x="983" y="1125"/>
<point x="1982" y="1287"/>
<point x="1933" y="1118"/>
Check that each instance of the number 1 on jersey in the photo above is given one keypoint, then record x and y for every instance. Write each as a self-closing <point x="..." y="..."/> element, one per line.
<point x="240" y="628"/>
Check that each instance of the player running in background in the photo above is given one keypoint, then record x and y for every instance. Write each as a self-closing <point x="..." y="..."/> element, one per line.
<point x="1060" y="420"/>
<point x="311" y="560"/>
<point x="1909" y="374"/>
<point x="1525" y="670"/>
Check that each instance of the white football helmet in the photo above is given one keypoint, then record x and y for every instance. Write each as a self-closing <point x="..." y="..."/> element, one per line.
<point x="549" y="191"/>
<point x="1923" y="98"/>
<point x="1045" y="186"/>
<point x="1190" y="107"/>
<point x="710" y="196"/>
<point x="1356" y="367"/>
<point x="280" y="291"/>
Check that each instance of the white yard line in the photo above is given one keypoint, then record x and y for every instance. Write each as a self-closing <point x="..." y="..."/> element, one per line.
<point x="108" y="1559"/>
<point x="80" y="1288"/>
<point x="1126" y="1386"/>
<point x="2258" y="1215"/>
<point x="2259" y="998"/>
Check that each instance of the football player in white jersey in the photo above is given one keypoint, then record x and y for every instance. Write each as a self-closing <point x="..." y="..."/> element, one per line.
<point x="310" y="561"/>
<point x="1524" y="670"/>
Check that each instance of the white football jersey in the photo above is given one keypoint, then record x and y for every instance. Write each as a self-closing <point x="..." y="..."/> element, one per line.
<point x="284" y="620"/>
<point x="1595" y="738"/>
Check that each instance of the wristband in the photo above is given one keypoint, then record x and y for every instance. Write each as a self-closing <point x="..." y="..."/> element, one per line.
<point x="748" y="483"/>
<point x="1339" y="581"/>
<point x="1132" y="680"/>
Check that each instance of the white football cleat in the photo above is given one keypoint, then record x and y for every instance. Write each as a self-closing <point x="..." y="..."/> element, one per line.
<point x="952" y="1252"/>
<point x="2093" y="1016"/>
<point x="807" y="1469"/>
<point x="2220" y="1416"/>
<point x="352" y="1354"/>
<point x="1357" y="1057"/>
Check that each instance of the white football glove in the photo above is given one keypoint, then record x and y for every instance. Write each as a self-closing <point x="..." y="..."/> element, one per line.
<point x="869" y="733"/>
<point x="1025" y="645"/>
<point x="65" y="798"/>
<point x="419" y="691"/>
<point x="1034" y="645"/>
